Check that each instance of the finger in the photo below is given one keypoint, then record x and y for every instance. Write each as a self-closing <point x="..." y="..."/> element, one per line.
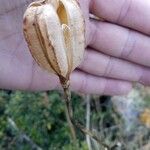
<point x="99" y="64"/>
<point x="32" y="77"/>
<point x="80" y="82"/>
<point x="120" y="42"/>
<point x="89" y="84"/>
<point x="134" y="14"/>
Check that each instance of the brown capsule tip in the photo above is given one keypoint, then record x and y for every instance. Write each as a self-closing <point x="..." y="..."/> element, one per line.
<point x="25" y="21"/>
<point x="24" y="29"/>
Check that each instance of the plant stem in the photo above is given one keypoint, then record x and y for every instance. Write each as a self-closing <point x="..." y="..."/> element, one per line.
<point x="69" y="113"/>
<point x="91" y="134"/>
<point x="88" y="114"/>
<point x="68" y="107"/>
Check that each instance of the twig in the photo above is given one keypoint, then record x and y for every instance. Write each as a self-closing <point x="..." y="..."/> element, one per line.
<point x="23" y="136"/>
<point x="69" y="113"/>
<point x="88" y="112"/>
<point x="66" y="87"/>
<point x="91" y="134"/>
<point x="68" y="109"/>
<point x="146" y="147"/>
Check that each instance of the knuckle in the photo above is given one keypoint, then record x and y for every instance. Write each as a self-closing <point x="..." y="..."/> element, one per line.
<point x="124" y="11"/>
<point x="129" y="44"/>
<point x="84" y="84"/>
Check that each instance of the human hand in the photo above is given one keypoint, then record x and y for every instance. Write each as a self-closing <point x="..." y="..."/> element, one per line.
<point x="117" y="50"/>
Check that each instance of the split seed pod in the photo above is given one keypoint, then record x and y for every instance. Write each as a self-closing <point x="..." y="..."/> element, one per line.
<point x="54" y="31"/>
<point x="55" y="34"/>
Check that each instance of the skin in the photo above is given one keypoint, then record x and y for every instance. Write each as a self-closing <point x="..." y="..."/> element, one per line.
<point x="117" y="53"/>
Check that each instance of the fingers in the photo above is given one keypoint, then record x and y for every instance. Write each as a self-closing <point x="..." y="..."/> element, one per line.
<point x="99" y="64"/>
<point x="120" y="42"/>
<point x="134" y="14"/>
<point x="27" y="75"/>
<point x="88" y="84"/>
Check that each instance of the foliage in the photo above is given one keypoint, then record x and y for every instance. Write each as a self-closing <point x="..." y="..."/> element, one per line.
<point x="40" y="116"/>
<point x="35" y="121"/>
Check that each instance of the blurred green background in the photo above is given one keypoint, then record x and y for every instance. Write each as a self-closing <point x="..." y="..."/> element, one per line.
<point x="35" y="121"/>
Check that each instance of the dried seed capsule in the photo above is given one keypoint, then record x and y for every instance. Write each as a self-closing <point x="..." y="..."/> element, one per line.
<point x="54" y="31"/>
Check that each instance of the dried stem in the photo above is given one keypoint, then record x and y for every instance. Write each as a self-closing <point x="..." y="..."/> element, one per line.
<point x="68" y="107"/>
<point x="69" y="114"/>
<point x="88" y="114"/>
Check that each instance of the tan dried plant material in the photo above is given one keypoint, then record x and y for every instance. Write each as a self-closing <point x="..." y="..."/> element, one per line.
<point x="55" y="34"/>
<point x="54" y="31"/>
